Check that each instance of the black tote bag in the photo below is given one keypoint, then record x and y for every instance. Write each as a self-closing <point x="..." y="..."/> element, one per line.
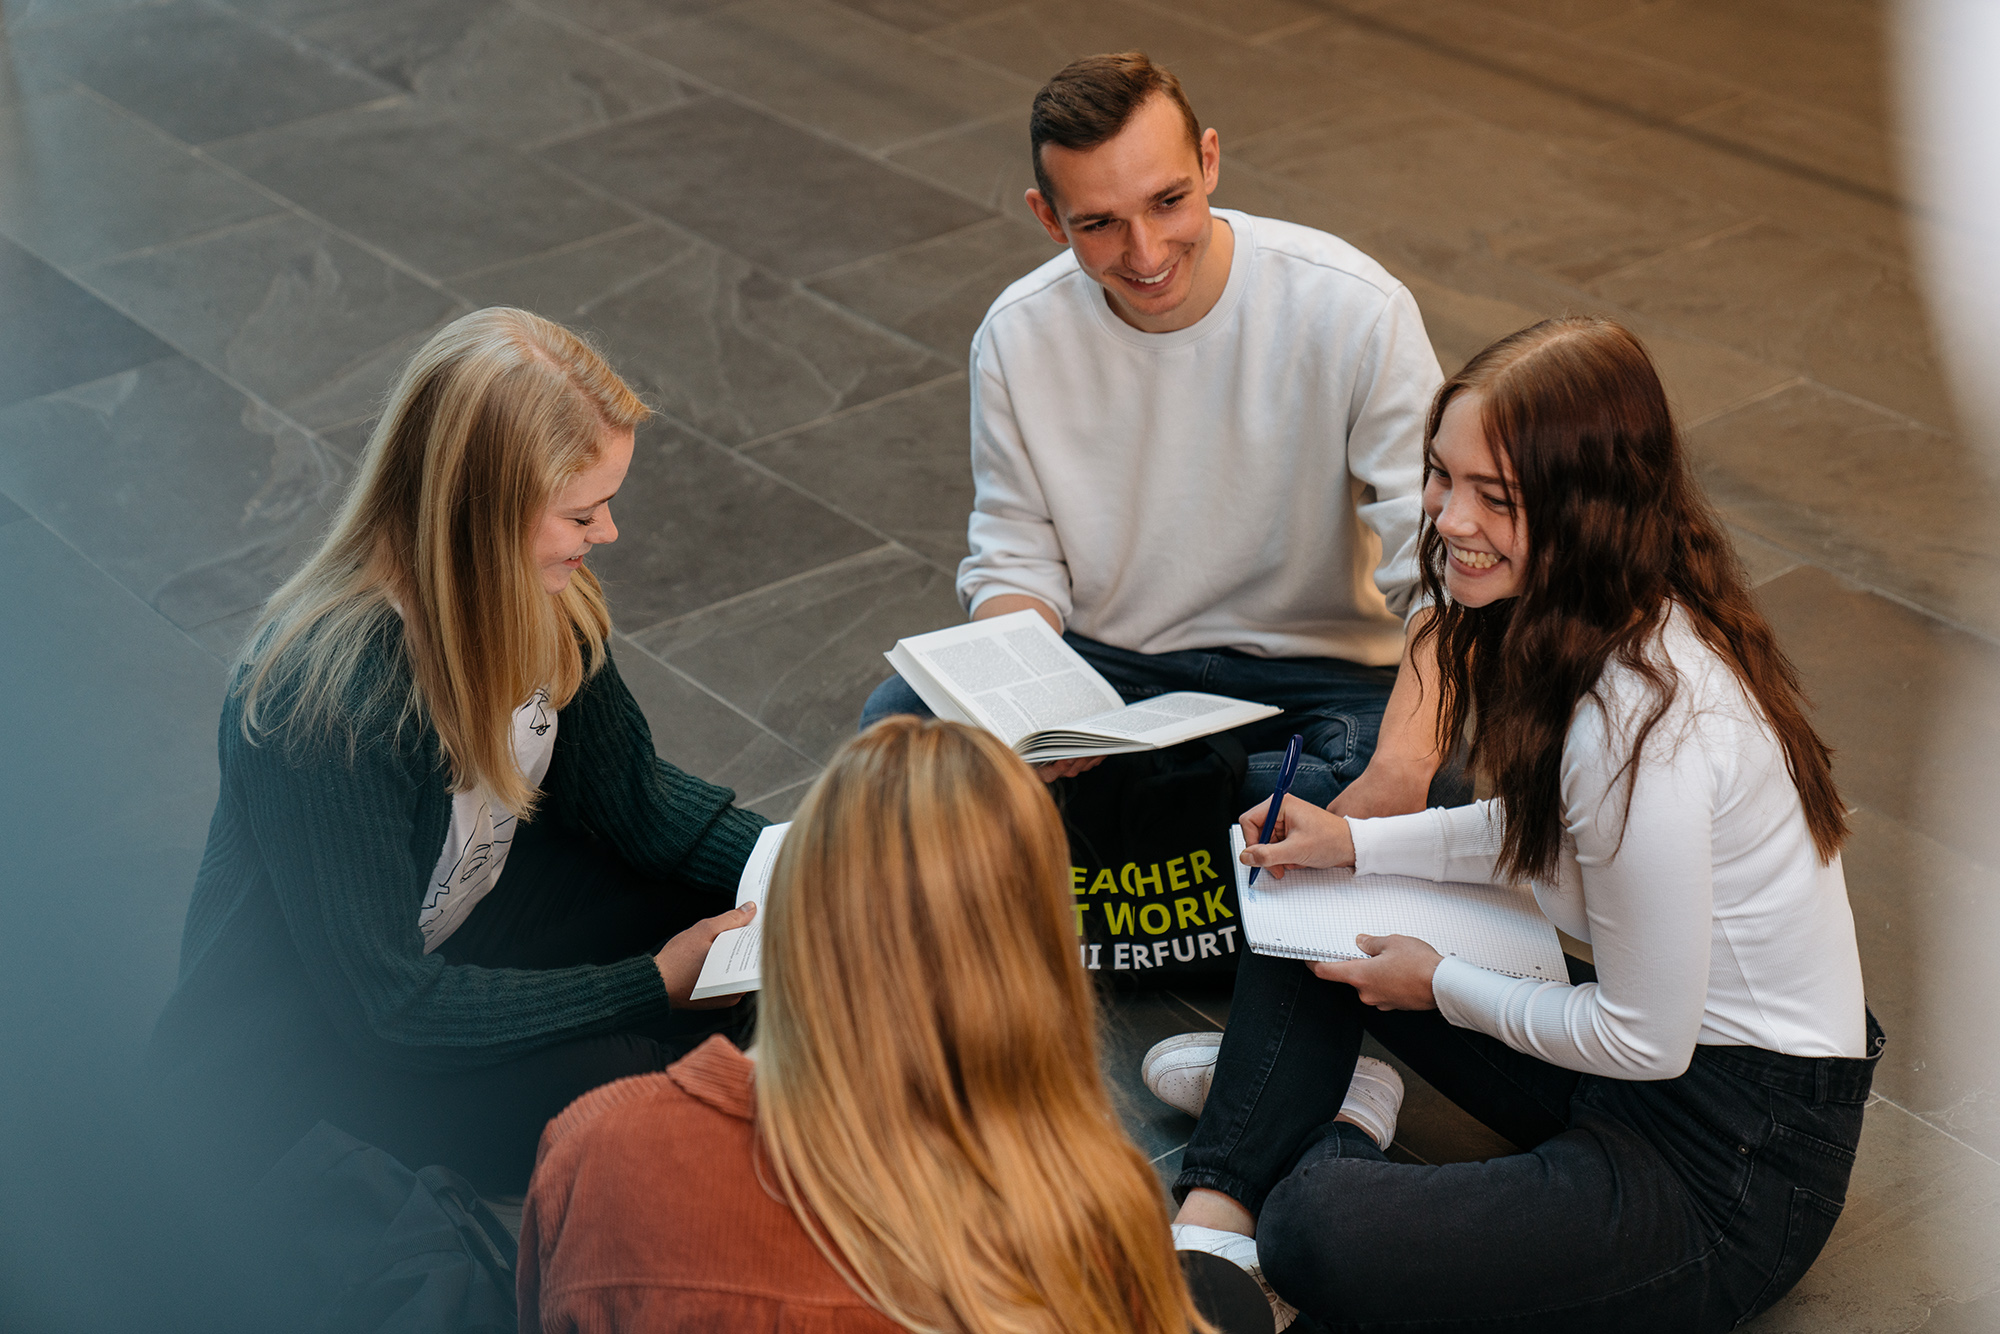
<point x="1154" y="891"/>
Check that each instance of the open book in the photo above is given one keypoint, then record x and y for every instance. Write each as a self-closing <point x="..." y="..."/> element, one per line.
<point x="1014" y="676"/>
<point x="735" y="961"/>
<point x="1316" y="914"/>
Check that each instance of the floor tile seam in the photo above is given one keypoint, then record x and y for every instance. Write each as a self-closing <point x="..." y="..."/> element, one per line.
<point x="331" y="113"/>
<point x="1284" y="30"/>
<point x="883" y="29"/>
<point x="748" y="103"/>
<point x="110" y="578"/>
<point x="553" y="252"/>
<point x="1814" y="110"/>
<point x="841" y="414"/>
<point x="1743" y="224"/>
<point x="192" y="239"/>
<point x="1205" y="26"/>
<point x="1926" y="1122"/>
<point x="845" y="267"/>
<point x="200" y="153"/>
<point x="1865" y="585"/>
<point x="561" y="137"/>
<point x="780" y="791"/>
<point x="297" y="41"/>
<point x="929" y="137"/>
<point x="758" y="465"/>
<point x="1635" y="115"/>
<point x="857" y="559"/>
<point x="625" y="638"/>
<point x="1219" y="1024"/>
<point x="893" y="334"/>
<point x="1748" y="400"/>
<point x="227" y="377"/>
<point x="1883" y="409"/>
<point x="796" y="284"/>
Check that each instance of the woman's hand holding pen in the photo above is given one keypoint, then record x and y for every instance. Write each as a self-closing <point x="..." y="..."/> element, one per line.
<point x="1306" y="835"/>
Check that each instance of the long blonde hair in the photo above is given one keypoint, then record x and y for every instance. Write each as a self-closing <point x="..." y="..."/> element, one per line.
<point x="927" y="1083"/>
<point x="489" y="420"/>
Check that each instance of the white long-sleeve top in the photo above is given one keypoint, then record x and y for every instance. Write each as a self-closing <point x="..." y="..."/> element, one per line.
<point x="1714" y="922"/>
<point x="1252" y="481"/>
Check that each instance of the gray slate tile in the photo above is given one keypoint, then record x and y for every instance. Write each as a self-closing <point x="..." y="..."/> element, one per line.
<point x="719" y="343"/>
<point x="618" y="17"/>
<point x="197" y="71"/>
<point x="761" y="189"/>
<point x="815" y="62"/>
<point x="1915" y="1247"/>
<point x="289" y="311"/>
<point x="700" y="736"/>
<point x="698" y="525"/>
<point x="54" y="334"/>
<point x="779" y="806"/>
<point x="937" y="291"/>
<point x="423" y="188"/>
<point x="1131" y="1023"/>
<point x="79" y="181"/>
<point x="801" y="656"/>
<point x="196" y="499"/>
<point x="987" y="163"/>
<point x="10" y="512"/>
<point x="1861" y="491"/>
<point x="903" y="467"/>
<point x="925" y="16"/>
<point x="502" y="70"/>
<point x="1911" y="707"/>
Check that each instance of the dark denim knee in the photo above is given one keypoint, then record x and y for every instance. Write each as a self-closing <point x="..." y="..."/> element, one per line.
<point x="892" y="697"/>
<point x="1303" y="1233"/>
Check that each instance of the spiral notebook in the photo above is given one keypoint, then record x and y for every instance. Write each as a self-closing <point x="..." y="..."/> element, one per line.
<point x="1315" y="914"/>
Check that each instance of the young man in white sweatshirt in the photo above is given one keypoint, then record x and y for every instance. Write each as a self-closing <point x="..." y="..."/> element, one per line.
<point x="1197" y="447"/>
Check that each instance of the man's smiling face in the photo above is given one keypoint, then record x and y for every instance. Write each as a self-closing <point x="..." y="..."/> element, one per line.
<point x="1135" y="211"/>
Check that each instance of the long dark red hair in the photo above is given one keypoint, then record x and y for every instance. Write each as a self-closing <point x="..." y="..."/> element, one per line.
<point x="1618" y="531"/>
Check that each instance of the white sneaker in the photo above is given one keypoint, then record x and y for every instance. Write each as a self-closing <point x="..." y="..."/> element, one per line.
<point x="1238" y="1250"/>
<point x="1178" y="1070"/>
<point x="1374" y="1096"/>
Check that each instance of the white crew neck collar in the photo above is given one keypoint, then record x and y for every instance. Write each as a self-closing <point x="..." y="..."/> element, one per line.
<point x="1245" y="241"/>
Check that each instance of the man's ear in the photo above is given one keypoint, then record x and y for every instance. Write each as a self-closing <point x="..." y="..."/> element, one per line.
<point x="1211" y="159"/>
<point x="1045" y="214"/>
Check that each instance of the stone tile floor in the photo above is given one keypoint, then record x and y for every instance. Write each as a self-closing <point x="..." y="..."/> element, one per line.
<point x="222" y="225"/>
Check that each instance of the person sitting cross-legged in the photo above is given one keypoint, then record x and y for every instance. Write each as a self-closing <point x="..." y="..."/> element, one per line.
<point x="1196" y="450"/>
<point x="920" y="1139"/>
<point x="449" y="885"/>
<point x="1687" y="1111"/>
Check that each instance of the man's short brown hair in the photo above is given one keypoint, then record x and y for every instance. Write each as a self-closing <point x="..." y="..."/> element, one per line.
<point x="1092" y="99"/>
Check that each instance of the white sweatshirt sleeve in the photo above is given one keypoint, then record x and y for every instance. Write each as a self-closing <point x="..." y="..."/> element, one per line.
<point x="1649" y="902"/>
<point x="1013" y="540"/>
<point x="1385" y="436"/>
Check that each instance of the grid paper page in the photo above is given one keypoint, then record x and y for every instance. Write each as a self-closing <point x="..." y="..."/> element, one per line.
<point x="1316" y="914"/>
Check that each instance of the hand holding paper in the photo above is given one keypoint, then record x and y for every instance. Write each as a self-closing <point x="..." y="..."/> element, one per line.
<point x="736" y="958"/>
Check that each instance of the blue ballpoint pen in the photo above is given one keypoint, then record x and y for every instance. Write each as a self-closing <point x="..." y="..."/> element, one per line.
<point x="1293" y="749"/>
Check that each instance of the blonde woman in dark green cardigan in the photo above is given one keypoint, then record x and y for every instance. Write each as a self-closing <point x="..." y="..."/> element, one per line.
<point x="449" y="886"/>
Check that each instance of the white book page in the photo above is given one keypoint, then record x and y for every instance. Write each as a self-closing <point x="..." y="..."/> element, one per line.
<point x="1316" y="914"/>
<point x="1014" y="674"/>
<point x="735" y="961"/>
<point x="1165" y="719"/>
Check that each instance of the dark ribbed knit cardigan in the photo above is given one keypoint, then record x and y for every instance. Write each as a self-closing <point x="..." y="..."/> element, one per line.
<point x="305" y="906"/>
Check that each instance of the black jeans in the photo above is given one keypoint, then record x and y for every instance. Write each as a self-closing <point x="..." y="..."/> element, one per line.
<point x="561" y="900"/>
<point x="1679" y="1205"/>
